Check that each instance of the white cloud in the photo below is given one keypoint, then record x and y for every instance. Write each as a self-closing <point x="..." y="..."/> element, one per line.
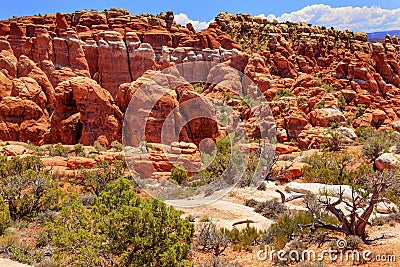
<point x="183" y="19"/>
<point x="368" y="19"/>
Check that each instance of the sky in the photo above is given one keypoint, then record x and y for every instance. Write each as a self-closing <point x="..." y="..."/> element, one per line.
<point x="357" y="15"/>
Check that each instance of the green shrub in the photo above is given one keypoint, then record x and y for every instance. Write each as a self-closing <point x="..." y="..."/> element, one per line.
<point x="360" y="110"/>
<point x="26" y="187"/>
<point x="180" y="175"/>
<point x="8" y="239"/>
<point x="58" y="150"/>
<point x="342" y="103"/>
<point x="244" y="239"/>
<point x="79" y="151"/>
<point x="39" y="151"/>
<point x="4" y="216"/>
<point x="226" y="164"/>
<point x="117" y="146"/>
<point x="24" y="254"/>
<point x="286" y="227"/>
<point x="198" y="87"/>
<point x="99" y="147"/>
<point x="96" y="180"/>
<point x="282" y="92"/>
<point x="301" y="100"/>
<point x="353" y="242"/>
<point x="376" y="142"/>
<point x="333" y="141"/>
<point x="121" y="225"/>
<point x="328" y="168"/>
<point x="271" y="209"/>
<point x="211" y="238"/>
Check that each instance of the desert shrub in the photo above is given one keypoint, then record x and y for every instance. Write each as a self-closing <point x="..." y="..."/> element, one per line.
<point x="23" y="253"/>
<point x="79" y="151"/>
<point x="39" y="151"/>
<point x="198" y="87"/>
<point x="26" y="187"/>
<point x="252" y="203"/>
<point x="96" y="180"/>
<point x="99" y="147"/>
<point x="211" y="238"/>
<point x="353" y="242"/>
<point x="328" y="168"/>
<point x="286" y="228"/>
<point x="282" y="92"/>
<point x="376" y="142"/>
<point x="226" y="163"/>
<point x="8" y="239"/>
<point x="4" y="216"/>
<point x="58" y="150"/>
<point x="342" y="103"/>
<point x="391" y="218"/>
<point x="117" y="146"/>
<point x="271" y="209"/>
<point x="217" y="262"/>
<point x="122" y="226"/>
<point x="251" y="170"/>
<point x="360" y="110"/>
<point x="243" y="239"/>
<point x="363" y="133"/>
<point x="180" y="175"/>
<point x="301" y="100"/>
<point x="333" y="141"/>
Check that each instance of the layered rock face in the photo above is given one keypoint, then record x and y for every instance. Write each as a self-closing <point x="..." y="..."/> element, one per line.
<point x="330" y="77"/>
<point x="69" y="77"/>
<point x="61" y="74"/>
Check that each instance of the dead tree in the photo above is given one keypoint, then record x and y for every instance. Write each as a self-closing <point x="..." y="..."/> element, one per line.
<point x="364" y="199"/>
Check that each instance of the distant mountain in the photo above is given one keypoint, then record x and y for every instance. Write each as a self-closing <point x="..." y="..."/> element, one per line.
<point x="380" y="36"/>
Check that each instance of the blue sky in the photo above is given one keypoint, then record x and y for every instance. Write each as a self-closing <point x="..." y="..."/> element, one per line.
<point x="374" y="12"/>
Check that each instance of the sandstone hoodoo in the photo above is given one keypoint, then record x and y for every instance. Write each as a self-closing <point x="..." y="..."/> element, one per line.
<point x="314" y="77"/>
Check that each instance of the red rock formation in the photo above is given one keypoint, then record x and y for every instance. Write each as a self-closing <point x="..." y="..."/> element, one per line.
<point x="318" y="69"/>
<point x="84" y="112"/>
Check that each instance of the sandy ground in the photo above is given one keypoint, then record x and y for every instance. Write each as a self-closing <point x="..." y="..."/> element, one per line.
<point x="387" y="247"/>
<point x="231" y="209"/>
<point x="10" y="263"/>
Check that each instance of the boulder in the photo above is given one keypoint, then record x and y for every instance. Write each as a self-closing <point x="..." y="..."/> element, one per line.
<point x="387" y="161"/>
<point x="326" y="116"/>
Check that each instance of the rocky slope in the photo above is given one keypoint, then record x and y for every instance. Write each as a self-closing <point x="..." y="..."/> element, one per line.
<point x="69" y="77"/>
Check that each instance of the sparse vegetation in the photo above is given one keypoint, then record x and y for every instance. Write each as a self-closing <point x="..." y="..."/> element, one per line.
<point x="328" y="168"/>
<point x="211" y="238"/>
<point x="333" y="141"/>
<point x="376" y="142"/>
<point x="79" y="151"/>
<point x="4" y="216"/>
<point x="122" y="227"/>
<point x="58" y="150"/>
<point x="117" y="146"/>
<point x="360" y="110"/>
<point x="179" y="175"/>
<point x="282" y="92"/>
<point x="270" y="209"/>
<point x="245" y="238"/>
<point x="96" y="180"/>
<point x="26" y="187"/>
<point x="99" y="147"/>
<point x="342" y="103"/>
